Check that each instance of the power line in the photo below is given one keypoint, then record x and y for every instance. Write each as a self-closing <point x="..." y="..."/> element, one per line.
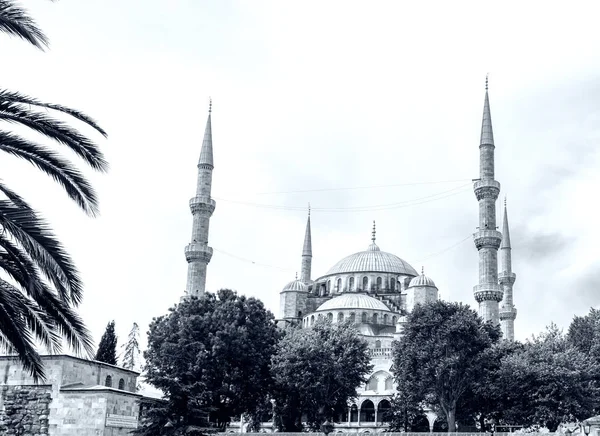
<point x="243" y="259"/>
<point x="362" y="187"/>
<point x="429" y="256"/>
<point x="407" y="203"/>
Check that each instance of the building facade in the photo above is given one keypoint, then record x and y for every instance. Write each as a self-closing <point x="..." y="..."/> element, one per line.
<point x="80" y="398"/>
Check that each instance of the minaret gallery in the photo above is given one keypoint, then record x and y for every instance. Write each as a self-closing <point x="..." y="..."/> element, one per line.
<point x="197" y="252"/>
<point x="488" y="293"/>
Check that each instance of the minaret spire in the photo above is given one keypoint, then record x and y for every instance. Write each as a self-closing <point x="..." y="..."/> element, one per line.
<point x="197" y="252"/>
<point x="305" y="269"/>
<point x="488" y="293"/>
<point x="506" y="278"/>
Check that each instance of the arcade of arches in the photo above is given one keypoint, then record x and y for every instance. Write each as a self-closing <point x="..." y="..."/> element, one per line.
<point x="366" y="411"/>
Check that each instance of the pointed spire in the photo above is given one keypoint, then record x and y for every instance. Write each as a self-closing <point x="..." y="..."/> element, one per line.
<point x="505" y="232"/>
<point x="307" y="249"/>
<point x="487" y="135"/>
<point x="206" y="153"/>
<point x="373" y="232"/>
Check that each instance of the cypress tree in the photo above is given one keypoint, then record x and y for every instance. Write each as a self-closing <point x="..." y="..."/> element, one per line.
<point x="107" y="350"/>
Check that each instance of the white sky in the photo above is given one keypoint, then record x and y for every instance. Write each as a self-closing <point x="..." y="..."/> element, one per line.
<point x="313" y="95"/>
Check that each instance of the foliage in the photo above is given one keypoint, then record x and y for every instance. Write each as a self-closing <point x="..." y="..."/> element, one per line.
<point x="406" y="412"/>
<point x="211" y="356"/>
<point x="548" y="381"/>
<point x="38" y="303"/>
<point x="107" y="350"/>
<point x="132" y="354"/>
<point x="443" y="350"/>
<point x="584" y="333"/>
<point x="316" y="371"/>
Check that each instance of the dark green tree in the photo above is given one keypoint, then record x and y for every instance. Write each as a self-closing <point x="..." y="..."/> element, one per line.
<point x="38" y="303"/>
<point x="548" y="381"/>
<point x="210" y="356"/>
<point x="316" y="371"/>
<point x="441" y="353"/>
<point x="107" y="350"/>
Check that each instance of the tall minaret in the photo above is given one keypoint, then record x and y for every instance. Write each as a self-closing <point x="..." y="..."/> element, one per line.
<point x="197" y="252"/>
<point x="488" y="293"/>
<point x="508" y="311"/>
<point x="306" y="253"/>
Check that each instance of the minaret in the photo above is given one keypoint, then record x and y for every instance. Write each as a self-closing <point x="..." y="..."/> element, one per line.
<point x="488" y="293"/>
<point x="508" y="311"/>
<point x="197" y="252"/>
<point x="306" y="253"/>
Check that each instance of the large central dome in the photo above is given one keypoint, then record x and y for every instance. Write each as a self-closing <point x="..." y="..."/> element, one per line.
<point x="372" y="260"/>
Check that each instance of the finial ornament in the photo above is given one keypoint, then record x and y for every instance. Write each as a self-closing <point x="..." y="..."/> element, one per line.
<point x="373" y="237"/>
<point x="309" y="209"/>
<point x="486" y="81"/>
<point x="422" y="270"/>
<point x="296" y="275"/>
<point x="209" y="105"/>
<point x="505" y="202"/>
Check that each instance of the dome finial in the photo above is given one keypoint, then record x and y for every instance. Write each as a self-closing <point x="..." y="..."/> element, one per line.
<point x="504" y="201"/>
<point x="209" y="105"/>
<point x="373" y="233"/>
<point x="309" y="209"/>
<point x="296" y="275"/>
<point x="422" y="270"/>
<point x="486" y="81"/>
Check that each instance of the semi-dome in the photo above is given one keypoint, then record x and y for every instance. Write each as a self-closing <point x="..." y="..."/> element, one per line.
<point x="353" y="301"/>
<point x="295" y="285"/>
<point x="421" y="280"/>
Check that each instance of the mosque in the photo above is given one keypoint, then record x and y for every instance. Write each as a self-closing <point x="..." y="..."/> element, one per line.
<point x="374" y="289"/>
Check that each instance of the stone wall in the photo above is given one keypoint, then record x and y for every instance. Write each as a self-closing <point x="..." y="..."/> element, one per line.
<point x="24" y="410"/>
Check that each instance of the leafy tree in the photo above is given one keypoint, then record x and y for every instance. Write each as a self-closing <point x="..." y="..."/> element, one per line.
<point x="441" y="353"/>
<point x="38" y="303"/>
<point x="584" y="333"/>
<point x="316" y="371"/>
<point x="547" y="381"/>
<point x="132" y="354"/>
<point x="210" y="356"/>
<point x="107" y="350"/>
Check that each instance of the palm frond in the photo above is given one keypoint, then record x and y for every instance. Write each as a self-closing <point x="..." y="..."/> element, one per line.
<point x="15" y="21"/>
<point x="14" y="328"/>
<point x="64" y="320"/>
<point x="48" y="254"/>
<point x="17" y="97"/>
<point x="62" y="171"/>
<point x="55" y="130"/>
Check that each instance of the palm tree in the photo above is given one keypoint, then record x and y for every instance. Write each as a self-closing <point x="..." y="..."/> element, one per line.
<point x="41" y="286"/>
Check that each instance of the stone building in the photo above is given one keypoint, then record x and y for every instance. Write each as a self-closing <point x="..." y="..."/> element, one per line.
<point x="80" y="398"/>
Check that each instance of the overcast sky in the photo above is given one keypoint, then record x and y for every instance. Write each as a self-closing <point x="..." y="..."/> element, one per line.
<point x="316" y="96"/>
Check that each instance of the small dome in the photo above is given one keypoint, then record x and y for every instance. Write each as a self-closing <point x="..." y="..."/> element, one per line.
<point x="295" y="285"/>
<point x="421" y="280"/>
<point x="353" y="301"/>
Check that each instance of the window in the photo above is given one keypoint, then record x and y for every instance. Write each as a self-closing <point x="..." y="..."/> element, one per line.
<point x="389" y="384"/>
<point x="379" y="283"/>
<point x="352" y="317"/>
<point x="385" y="318"/>
<point x="372" y="385"/>
<point x="121" y="384"/>
<point x="340" y="317"/>
<point x="299" y="314"/>
<point x="375" y="318"/>
<point x="351" y="284"/>
<point x="377" y="344"/>
<point x="330" y="316"/>
<point x="328" y="285"/>
<point x="364" y="317"/>
<point x="338" y="286"/>
<point x="394" y="319"/>
<point x="108" y="381"/>
<point x="312" y="320"/>
<point x="365" y="283"/>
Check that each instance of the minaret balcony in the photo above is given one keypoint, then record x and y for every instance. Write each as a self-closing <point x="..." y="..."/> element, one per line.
<point x="507" y="278"/>
<point x="508" y="313"/>
<point x="486" y="188"/>
<point x="202" y="203"/>
<point x="488" y="292"/>
<point x="198" y="252"/>
<point x="487" y="239"/>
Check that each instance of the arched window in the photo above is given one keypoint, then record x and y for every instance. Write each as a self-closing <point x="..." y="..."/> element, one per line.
<point x="352" y="317"/>
<point x="378" y="344"/>
<point x="340" y="317"/>
<point x="364" y="317"/>
<point x="351" y="284"/>
<point x="338" y="286"/>
<point x="367" y="411"/>
<point x="108" y="381"/>
<point x="389" y="384"/>
<point x="330" y="316"/>
<point x="375" y="318"/>
<point x="121" y="384"/>
<point x="299" y="314"/>
<point x="328" y="286"/>
<point x="365" y="283"/>
<point x="394" y="320"/>
<point x="312" y="320"/>
<point x="354" y="413"/>
<point x="372" y="385"/>
<point x="379" y="283"/>
<point x="385" y="318"/>
<point x="320" y="316"/>
<point x="384" y="409"/>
